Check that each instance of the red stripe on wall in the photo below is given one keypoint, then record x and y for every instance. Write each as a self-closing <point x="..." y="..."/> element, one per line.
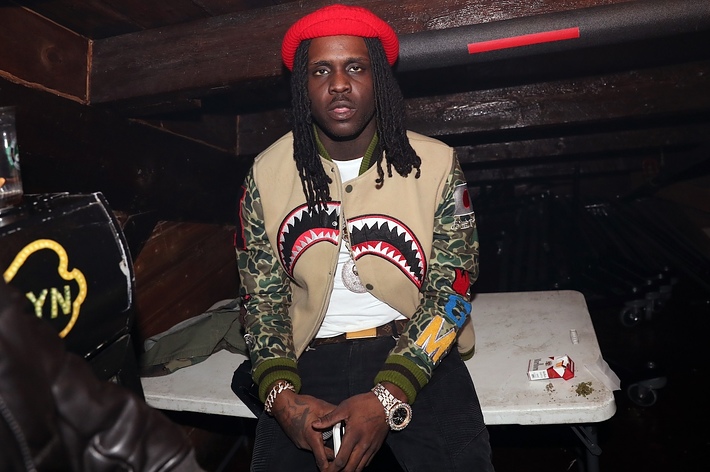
<point x="524" y="40"/>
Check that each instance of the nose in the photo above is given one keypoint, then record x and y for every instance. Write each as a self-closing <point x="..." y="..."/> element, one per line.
<point x="339" y="82"/>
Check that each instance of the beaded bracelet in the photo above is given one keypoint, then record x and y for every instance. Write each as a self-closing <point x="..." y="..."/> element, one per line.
<point x="278" y="388"/>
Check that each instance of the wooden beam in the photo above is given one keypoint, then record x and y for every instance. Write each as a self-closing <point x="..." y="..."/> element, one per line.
<point x="612" y="143"/>
<point x="214" y="130"/>
<point x="43" y="55"/>
<point x="548" y="172"/>
<point x="645" y="170"/>
<point x="643" y="108"/>
<point x="228" y="49"/>
<point x="648" y="94"/>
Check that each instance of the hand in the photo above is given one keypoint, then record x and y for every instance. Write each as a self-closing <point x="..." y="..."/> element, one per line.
<point x="296" y="414"/>
<point x="365" y="431"/>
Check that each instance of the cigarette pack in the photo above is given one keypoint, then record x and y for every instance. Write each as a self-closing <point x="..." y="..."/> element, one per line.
<point x="553" y="367"/>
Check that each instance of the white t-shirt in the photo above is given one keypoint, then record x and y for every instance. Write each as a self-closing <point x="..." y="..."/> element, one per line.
<point x="351" y="311"/>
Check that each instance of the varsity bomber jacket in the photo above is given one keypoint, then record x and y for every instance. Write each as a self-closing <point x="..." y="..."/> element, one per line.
<point x="414" y="242"/>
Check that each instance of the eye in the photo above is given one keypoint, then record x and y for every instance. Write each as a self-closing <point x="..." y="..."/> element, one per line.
<point x="355" y="68"/>
<point x="320" y="71"/>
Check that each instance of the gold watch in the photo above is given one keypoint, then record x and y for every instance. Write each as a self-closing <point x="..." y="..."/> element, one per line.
<point x="398" y="414"/>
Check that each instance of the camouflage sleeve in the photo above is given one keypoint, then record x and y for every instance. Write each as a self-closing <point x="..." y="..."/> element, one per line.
<point x="266" y="292"/>
<point x="445" y="306"/>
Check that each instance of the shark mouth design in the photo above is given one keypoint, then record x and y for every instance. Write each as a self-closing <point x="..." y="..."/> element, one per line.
<point x="302" y="229"/>
<point x="385" y="237"/>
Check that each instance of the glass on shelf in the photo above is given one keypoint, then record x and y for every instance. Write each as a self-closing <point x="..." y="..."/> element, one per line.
<point x="10" y="178"/>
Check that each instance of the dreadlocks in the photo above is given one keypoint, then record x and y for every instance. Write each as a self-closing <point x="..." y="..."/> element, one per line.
<point x="389" y="113"/>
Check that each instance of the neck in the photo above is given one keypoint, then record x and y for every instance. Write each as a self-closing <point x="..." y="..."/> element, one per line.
<point x="348" y="149"/>
<point x="371" y="153"/>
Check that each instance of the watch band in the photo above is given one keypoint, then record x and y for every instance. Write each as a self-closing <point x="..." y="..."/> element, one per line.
<point x="398" y="414"/>
<point x="385" y="397"/>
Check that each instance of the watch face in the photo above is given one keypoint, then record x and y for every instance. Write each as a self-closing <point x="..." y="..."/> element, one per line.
<point x="400" y="417"/>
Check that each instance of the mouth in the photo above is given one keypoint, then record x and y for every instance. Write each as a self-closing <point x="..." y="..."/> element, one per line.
<point x="341" y="110"/>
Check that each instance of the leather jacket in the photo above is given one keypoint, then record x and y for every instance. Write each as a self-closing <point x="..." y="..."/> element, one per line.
<point x="56" y="415"/>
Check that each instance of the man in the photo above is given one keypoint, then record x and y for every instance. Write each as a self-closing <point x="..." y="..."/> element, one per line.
<point x="357" y="248"/>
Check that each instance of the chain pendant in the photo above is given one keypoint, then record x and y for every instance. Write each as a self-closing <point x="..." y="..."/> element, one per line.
<point x="350" y="278"/>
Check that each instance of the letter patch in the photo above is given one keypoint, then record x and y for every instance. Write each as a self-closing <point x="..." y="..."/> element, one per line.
<point x="432" y="342"/>
<point x="457" y="310"/>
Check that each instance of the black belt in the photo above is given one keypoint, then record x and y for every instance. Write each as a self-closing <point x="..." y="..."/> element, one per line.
<point x="393" y="328"/>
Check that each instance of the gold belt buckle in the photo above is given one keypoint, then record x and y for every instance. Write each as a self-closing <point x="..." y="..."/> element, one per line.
<point x="365" y="333"/>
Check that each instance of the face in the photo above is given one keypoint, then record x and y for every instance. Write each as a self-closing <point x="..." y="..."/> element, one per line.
<point x="340" y="87"/>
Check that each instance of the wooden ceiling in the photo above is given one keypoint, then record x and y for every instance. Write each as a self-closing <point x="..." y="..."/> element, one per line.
<point x="628" y="96"/>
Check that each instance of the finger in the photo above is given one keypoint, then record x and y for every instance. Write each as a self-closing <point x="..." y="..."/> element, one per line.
<point x="344" y="456"/>
<point x="360" y="457"/>
<point x="372" y="456"/>
<point x="354" y="463"/>
<point x="322" y="455"/>
<point x="366" y="459"/>
<point x="360" y="451"/>
<point x="326" y="421"/>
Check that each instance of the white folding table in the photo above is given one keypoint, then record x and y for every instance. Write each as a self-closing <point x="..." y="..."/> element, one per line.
<point x="511" y="329"/>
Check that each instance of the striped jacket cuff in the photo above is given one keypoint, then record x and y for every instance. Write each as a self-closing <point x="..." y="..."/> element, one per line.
<point x="405" y="374"/>
<point x="272" y="370"/>
<point x="466" y="355"/>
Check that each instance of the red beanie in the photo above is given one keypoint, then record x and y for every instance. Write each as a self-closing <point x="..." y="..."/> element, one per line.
<point x="335" y="20"/>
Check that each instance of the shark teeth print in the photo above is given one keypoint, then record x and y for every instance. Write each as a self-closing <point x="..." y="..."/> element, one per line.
<point x="390" y="239"/>
<point x="302" y="229"/>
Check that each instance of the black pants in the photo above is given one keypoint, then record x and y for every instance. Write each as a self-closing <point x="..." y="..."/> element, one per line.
<point x="447" y="432"/>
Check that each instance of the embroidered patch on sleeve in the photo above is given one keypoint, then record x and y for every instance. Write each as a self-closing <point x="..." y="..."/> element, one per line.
<point x="457" y="310"/>
<point x="433" y="342"/>
<point x="462" y="281"/>
<point x="458" y="307"/>
<point x="463" y="201"/>
<point x="464" y="216"/>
